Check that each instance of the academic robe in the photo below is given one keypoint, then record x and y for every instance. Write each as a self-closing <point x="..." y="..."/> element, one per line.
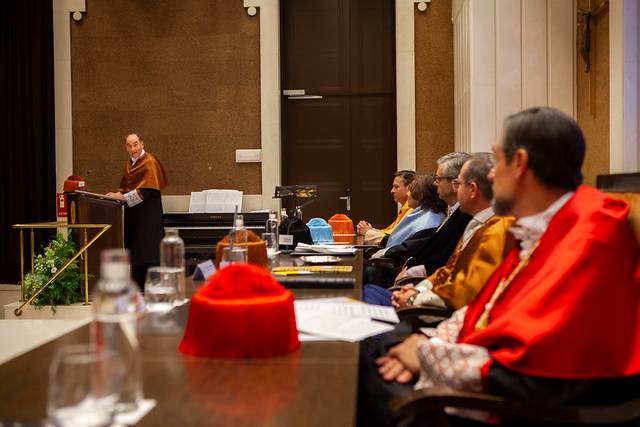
<point x="143" y="223"/>
<point x="467" y="270"/>
<point x="567" y="327"/>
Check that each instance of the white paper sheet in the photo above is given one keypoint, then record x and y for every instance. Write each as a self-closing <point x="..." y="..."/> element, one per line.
<point x="347" y="309"/>
<point x="341" y="318"/>
<point x="326" y="249"/>
<point x="215" y="201"/>
<point x="197" y="201"/>
<point x="326" y="324"/>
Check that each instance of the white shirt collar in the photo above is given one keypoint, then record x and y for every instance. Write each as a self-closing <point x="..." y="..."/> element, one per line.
<point x="529" y="229"/>
<point x="452" y="209"/>
<point x="484" y="215"/>
<point x="476" y="222"/>
<point x="134" y="160"/>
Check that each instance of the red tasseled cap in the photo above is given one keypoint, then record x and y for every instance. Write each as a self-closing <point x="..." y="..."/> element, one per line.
<point x="242" y="311"/>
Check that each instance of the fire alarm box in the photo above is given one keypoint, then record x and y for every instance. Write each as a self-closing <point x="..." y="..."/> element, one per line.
<point x="61" y="200"/>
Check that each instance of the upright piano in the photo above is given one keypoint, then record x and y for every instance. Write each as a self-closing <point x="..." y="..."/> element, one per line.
<point x="202" y="231"/>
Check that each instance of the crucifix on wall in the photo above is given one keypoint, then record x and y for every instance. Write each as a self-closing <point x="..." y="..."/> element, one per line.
<point x="585" y="19"/>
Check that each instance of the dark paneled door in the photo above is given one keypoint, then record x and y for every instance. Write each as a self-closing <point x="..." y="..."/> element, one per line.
<point x="338" y="126"/>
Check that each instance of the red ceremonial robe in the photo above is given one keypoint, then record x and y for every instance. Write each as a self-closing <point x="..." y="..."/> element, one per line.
<point x="574" y="311"/>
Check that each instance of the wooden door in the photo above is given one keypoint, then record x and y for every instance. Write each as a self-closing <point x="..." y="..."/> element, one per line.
<point x="340" y="133"/>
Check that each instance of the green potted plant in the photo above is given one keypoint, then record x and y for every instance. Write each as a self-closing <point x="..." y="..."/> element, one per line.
<point x="66" y="289"/>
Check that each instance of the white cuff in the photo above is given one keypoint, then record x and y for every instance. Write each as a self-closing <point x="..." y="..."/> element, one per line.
<point x="132" y="198"/>
<point x="424" y="286"/>
<point x="379" y="254"/>
<point x="428" y="298"/>
<point x="452" y="365"/>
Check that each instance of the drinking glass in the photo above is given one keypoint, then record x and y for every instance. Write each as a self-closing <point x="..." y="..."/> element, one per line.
<point x="84" y="385"/>
<point x="271" y="242"/>
<point x="233" y="255"/>
<point x="161" y="288"/>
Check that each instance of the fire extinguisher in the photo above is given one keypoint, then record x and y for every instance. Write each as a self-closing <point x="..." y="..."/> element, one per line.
<point x="72" y="183"/>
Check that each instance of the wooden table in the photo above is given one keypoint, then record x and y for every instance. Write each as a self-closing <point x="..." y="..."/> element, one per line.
<point x="315" y="386"/>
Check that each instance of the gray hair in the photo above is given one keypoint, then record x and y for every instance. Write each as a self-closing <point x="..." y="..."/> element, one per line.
<point x="478" y="168"/>
<point x="452" y="162"/>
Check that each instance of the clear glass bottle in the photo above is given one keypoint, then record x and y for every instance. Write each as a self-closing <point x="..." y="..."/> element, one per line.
<point x="115" y="306"/>
<point x="172" y="255"/>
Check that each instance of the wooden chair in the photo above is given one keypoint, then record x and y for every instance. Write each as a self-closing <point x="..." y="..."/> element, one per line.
<point x="432" y="401"/>
<point x="624" y="186"/>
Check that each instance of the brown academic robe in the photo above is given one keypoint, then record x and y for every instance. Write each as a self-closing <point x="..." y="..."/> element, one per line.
<point x="143" y="224"/>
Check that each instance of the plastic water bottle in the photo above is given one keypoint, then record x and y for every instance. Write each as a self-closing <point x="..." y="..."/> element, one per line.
<point x="272" y="224"/>
<point x="240" y="234"/>
<point x="172" y="255"/>
<point x="271" y="228"/>
<point x="115" y="306"/>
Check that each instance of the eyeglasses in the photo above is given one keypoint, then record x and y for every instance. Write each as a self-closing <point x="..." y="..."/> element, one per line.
<point x="437" y="179"/>
<point x="456" y="184"/>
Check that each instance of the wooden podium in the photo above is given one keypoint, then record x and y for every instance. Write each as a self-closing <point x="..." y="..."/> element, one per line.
<point x="92" y="208"/>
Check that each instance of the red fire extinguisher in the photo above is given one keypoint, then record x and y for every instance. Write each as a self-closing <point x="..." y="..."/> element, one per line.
<point x="72" y="183"/>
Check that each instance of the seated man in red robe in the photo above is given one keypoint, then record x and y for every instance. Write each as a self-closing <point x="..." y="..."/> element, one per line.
<point x="558" y="321"/>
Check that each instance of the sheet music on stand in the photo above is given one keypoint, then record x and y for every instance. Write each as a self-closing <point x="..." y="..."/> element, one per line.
<point x="215" y="201"/>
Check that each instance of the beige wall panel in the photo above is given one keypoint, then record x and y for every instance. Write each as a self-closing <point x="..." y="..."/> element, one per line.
<point x="184" y="73"/>
<point x="434" y="84"/>
<point x="593" y="96"/>
<point x="534" y="48"/>
<point x="508" y="60"/>
<point x="482" y="74"/>
<point x="560" y="47"/>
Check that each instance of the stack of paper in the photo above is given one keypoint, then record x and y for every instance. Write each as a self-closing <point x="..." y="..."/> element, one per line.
<point x="303" y="248"/>
<point x="215" y="201"/>
<point x="341" y="319"/>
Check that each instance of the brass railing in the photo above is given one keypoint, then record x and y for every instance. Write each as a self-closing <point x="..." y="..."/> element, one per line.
<point x="37" y="225"/>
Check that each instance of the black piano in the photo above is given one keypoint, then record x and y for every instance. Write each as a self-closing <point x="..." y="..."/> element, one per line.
<point x="202" y="231"/>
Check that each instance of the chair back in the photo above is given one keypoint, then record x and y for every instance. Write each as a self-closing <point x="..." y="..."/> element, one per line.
<point x="624" y="186"/>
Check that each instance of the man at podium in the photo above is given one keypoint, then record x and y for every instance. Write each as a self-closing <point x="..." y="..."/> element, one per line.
<point x="140" y="187"/>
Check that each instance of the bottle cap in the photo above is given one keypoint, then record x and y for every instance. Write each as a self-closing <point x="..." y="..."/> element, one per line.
<point x="115" y="265"/>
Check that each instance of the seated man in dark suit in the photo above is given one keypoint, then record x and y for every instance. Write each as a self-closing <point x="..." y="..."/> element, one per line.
<point x="429" y="248"/>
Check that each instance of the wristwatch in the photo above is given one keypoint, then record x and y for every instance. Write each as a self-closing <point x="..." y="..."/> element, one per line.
<point x="411" y="299"/>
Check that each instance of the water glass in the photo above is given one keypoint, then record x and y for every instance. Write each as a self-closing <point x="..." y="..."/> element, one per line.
<point x="233" y="255"/>
<point x="271" y="243"/>
<point x="161" y="288"/>
<point x="84" y="386"/>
